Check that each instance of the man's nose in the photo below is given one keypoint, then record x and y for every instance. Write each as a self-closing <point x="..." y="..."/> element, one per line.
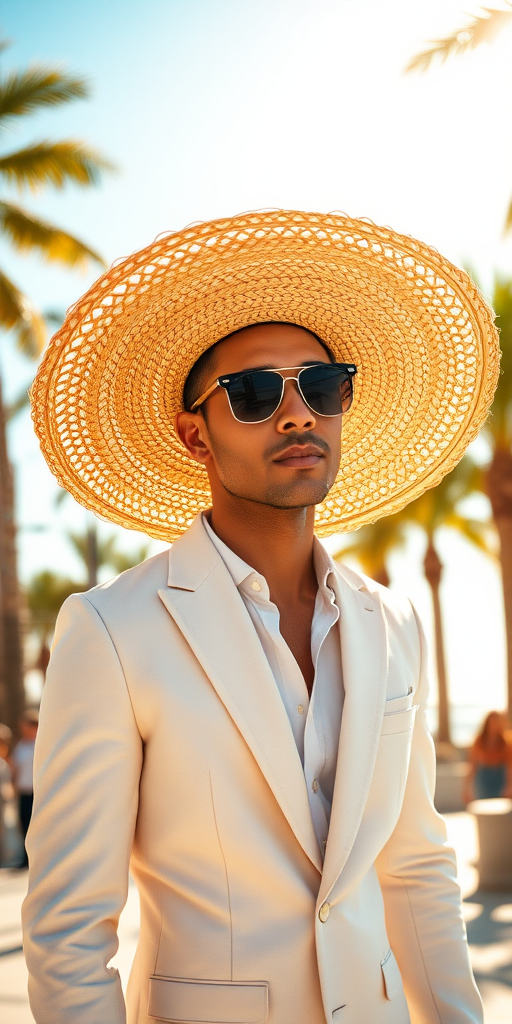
<point x="293" y="413"/>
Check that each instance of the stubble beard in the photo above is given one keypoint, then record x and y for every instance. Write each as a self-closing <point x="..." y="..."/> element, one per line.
<point x="283" y="496"/>
<point x="295" y="494"/>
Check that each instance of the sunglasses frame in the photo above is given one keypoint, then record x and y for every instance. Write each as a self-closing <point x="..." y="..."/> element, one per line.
<point x="224" y="382"/>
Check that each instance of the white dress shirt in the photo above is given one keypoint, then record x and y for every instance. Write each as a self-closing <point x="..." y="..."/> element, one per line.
<point x="315" y="720"/>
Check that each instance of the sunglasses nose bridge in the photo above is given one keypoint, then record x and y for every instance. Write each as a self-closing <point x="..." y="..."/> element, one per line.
<point x="286" y="379"/>
<point x="283" y="388"/>
<point x="301" y="397"/>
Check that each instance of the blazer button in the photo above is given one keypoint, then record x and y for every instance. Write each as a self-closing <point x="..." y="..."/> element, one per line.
<point x="324" y="912"/>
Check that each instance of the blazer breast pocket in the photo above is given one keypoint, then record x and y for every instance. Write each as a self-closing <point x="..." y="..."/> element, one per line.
<point x="184" y="1000"/>
<point x="399" y="721"/>
<point x="395" y="704"/>
<point x="392" y="763"/>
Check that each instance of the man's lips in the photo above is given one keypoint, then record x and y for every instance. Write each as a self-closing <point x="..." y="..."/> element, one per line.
<point x="300" y="456"/>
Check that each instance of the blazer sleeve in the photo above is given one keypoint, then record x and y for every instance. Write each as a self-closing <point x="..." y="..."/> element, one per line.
<point x="418" y="876"/>
<point x="87" y="769"/>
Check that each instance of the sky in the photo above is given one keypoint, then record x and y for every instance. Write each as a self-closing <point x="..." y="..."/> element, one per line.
<point x="211" y="107"/>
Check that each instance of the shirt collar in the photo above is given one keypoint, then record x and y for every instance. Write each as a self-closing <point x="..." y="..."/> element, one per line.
<point x="241" y="572"/>
<point x="237" y="568"/>
<point x="324" y="565"/>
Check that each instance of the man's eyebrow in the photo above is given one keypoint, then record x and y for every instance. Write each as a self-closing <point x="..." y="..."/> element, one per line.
<point x="254" y="369"/>
<point x="269" y="366"/>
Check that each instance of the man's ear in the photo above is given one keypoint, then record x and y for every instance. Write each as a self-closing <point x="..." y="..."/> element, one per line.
<point x="191" y="430"/>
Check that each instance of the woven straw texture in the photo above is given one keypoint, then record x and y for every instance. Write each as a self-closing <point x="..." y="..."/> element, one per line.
<point x="421" y="335"/>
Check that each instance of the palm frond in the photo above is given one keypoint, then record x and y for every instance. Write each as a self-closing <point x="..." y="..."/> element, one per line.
<point x="108" y="552"/>
<point x="54" y="317"/>
<point x="508" y="219"/>
<point x="433" y="508"/>
<point x="38" y="86"/>
<point x="498" y="427"/>
<point x="18" y="405"/>
<point x="480" y="533"/>
<point x="372" y="545"/>
<point x="46" y="592"/>
<point x="54" y="163"/>
<point x="27" y="233"/>
<point x="122" y="560"/>
<point x="481" y="29"/>
<point x="18" y="314"/>
<point x="441" y="506"/>
<point x="61" y="496"/>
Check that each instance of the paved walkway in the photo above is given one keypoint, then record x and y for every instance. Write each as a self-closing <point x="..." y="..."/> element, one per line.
<point x="488" y="917"/>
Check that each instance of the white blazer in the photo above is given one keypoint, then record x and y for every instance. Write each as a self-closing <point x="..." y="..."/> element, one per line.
<point x="164" y="747"/>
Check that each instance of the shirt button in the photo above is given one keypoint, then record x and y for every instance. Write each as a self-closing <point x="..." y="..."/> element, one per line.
<point x="300" y="709"/>
<point x="314" y="785"/>
<point x="255" y="585"/>
<point x="324" y="912"/>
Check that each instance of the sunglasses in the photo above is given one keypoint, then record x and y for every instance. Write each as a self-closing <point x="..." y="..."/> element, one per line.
<point x="255" y="395"/>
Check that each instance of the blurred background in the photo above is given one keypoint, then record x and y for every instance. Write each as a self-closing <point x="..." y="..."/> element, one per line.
<point x="119" y="121"/>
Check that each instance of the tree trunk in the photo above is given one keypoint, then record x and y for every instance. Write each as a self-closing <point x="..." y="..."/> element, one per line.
<point x="92" y="552"/>
<point x="382" y="577"/>
<point x="12" y="696"/>
<point x="433" y="570"/>
<point x="499" y="489"/>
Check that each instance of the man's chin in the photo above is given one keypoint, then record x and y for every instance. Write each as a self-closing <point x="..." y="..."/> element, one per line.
<point x="299" y="496"/>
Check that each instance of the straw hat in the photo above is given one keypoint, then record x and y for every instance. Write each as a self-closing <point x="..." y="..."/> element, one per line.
<point x="417" y="328"/>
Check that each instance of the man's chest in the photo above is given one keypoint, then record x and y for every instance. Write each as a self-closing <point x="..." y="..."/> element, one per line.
<point x="295" y="629"/>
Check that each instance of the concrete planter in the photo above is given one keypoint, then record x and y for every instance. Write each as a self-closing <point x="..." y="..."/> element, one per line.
<point x="450" y="780"/>
<point x="494" y="821"/>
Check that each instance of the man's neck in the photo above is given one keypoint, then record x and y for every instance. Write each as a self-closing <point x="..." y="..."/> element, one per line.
<point x="277" y="543"/>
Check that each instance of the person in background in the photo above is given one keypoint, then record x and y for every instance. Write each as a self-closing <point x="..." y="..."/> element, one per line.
<point x="491" y="761"/>
<point x="22" y="763"/>
<point x="5" y="781"/>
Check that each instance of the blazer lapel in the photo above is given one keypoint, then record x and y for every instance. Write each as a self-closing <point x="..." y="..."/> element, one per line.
<point x="364" y="655"/>
<point x="206" y="606"/>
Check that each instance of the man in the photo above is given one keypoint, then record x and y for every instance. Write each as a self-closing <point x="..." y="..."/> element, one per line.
<point x="241" y="720"/>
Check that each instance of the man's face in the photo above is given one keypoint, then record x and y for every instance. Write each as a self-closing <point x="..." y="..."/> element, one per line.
<point x="288" y="461"/>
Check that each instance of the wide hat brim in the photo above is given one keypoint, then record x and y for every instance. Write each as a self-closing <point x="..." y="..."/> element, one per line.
<point x="419" y="331"/>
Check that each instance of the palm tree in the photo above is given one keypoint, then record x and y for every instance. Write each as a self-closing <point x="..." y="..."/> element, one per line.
<point x="45" y="593"/>
<point x="440" y="507"/>
<point x="47" y="590"/>
<point x="498" y="478"/>
<point x="482" y="28"/>
<point x="373" y="544"/>
<point x="40" y="164"/>
<point x="107" y="553"/>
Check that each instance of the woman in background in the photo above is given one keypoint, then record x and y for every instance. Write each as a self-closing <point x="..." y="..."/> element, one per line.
<point x="491" y="761"/>
<point x="5" y="783"/>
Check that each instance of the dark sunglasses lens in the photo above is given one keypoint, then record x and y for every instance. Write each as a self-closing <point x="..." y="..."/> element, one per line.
<point x="327" y="389"/>
<point x="255" y="396"/>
